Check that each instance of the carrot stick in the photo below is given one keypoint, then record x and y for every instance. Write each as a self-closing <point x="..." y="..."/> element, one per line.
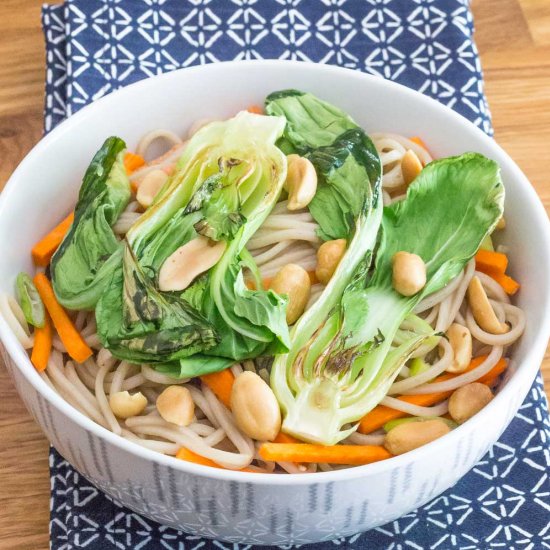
<point x="419" y="141"/>
<point x="132" y="162"/>
<point x="381" y="414"/>
<point x="494" y="261"/>
<point x="44" y="249"/>
<point x="492" y="376"/>
<point x="42" y="345"/>
<point x="74" y="343"/>
<point x="509" y="285"/>
<point x="285" y="438"/>
<point x="336" y="454"/>
<point x="220" y="383"/>
<point x="255" y="109"/>
<point x="190" y="456"/>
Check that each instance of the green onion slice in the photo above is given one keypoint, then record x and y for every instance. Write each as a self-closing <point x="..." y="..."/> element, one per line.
<point x="30" y="301"/>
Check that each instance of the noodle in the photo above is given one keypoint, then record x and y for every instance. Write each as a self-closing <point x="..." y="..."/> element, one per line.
<point x="415" y="410"/>
<point x="12" y="313"/>
<point x="437" y="368"/>
<point x="147" y="140"/>
<point x="461" y="379"/>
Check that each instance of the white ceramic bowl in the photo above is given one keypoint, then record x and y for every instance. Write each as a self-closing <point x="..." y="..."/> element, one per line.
<point x="235" y="506"/>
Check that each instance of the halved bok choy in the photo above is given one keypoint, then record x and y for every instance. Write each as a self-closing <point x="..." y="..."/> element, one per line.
<point x="225" y="184"/>
<point x="343" y="360"/>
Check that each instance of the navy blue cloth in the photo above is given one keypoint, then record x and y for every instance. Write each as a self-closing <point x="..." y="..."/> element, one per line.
<point x="96" y="46"/>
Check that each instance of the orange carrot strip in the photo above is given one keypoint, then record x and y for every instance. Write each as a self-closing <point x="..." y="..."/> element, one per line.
<point x="285" y="438"/>
<point x="494" y="261"/>
<point x="381" y="414"/>
<point x="43" y="250"/>
<point x="190" y="456"/>
<point x="336" y="454"/>
<point x="509" y="285"/>
<point x="42" y="345"/>
<point x="492" y="376"/>
<point x="255" y="109"/>
<point x="419" y="141"/>
<point x="220" y="383"/>
<point x="132" y="162"/>
<point x="74" y="343"/>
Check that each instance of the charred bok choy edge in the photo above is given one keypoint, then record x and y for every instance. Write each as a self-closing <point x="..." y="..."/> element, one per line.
<point x="225" y="184"/>
<point x="331" y="378"/>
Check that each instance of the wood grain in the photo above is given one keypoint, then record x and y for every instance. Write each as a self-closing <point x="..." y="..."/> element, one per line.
<point x="513" y="37"/>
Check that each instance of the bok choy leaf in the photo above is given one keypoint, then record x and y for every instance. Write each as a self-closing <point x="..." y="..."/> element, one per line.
<point x="332" y="377"/>
<point x="344" y="157"/>
<point x="84" y="262"/>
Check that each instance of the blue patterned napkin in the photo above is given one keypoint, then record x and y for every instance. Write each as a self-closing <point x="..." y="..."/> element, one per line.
<point x="96" y="46"/>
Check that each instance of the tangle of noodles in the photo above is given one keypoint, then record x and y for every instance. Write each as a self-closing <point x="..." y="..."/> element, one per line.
<point x="285" y="237"/>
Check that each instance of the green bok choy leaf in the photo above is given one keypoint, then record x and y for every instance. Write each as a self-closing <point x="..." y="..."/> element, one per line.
<point x="83" y="264"/>
<point x="332" y="377"/>
<point x="344" y="157"/>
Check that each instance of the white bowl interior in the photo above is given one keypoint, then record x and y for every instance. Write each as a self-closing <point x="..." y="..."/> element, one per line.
<point x="45" y="186"/>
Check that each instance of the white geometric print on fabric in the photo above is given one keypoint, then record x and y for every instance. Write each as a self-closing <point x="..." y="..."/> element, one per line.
<point x="97" y="46"/>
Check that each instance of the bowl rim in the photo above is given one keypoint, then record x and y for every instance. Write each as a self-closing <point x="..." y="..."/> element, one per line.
<point x="527" y="367"/>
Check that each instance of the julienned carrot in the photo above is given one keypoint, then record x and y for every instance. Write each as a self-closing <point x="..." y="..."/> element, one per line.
<point x="487" y="259"/>
<point x="285" y="438"/>
<point x="491" y="378"/>
<point x="74" y="343"/>
<point x="190" y="456"/>
<point x="220" y="383"/>
<point x="255" y="109"/>
<point x="381" y="414"/>
<point x="418" y="141"/>
<point x="43" y="250"/>
<point x="42" y="345"/>
<point x="509" y="285"/>
<point x="336" y="454"/>
<point x="132" y="162"/>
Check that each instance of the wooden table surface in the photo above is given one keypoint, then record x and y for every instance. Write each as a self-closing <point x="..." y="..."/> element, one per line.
<point x="513" y="37"/>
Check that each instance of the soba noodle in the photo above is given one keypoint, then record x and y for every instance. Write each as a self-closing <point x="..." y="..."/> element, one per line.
<point x="285" y="237"/>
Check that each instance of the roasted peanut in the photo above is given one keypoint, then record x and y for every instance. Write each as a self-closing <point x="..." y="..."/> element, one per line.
<point x="176" y="405"/>
<point x="460" y="340"/>
<point x="301" y="182"/>
<point x="468" y="400"/>
<point x="328" y="257"/>
<point x="149" y="187"/>
<point x="293" y="281"/>
<point x="482" y="309"/>
<point x="410" y="166"/>
<point x="409" y="436"/>
<point x="125" y="405"/>
<point x="254" y="407"/>
<point x="189" y="261"/>
<point x="409" y="273"/>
